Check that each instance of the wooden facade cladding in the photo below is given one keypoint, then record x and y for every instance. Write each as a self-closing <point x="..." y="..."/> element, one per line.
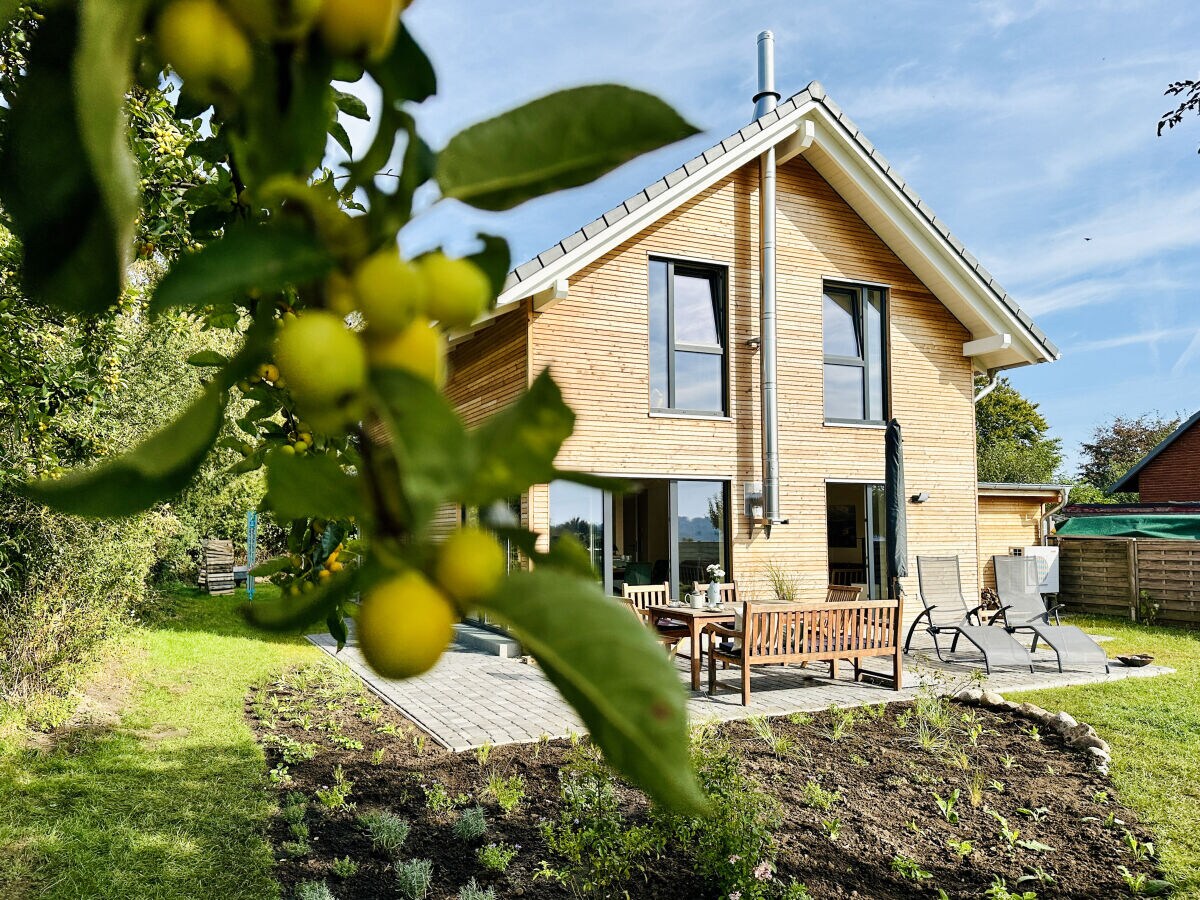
<point x="488" y="370"/>
<point x="1004" y="523"/>
<point x="596" y="342"/>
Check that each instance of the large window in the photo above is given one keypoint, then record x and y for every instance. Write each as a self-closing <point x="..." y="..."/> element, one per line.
<point x="687" y="337"/>
<point x="578" y="510"/>
<point x="855" y="354"/>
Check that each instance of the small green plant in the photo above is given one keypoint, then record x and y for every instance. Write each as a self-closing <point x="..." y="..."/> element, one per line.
<point x="999" y="891"/>
<point x="1036" y="875"/>
<point x="377" y="756"/>
<point x="946" y="806"/>
<point x="1034" y="733"/>
<point x="496" y="857"/>
<point x="1139" y="850"/>
<point x="390" y="728"/>
<point x="313" y="890"/>
<point x="1135" y="884"/>
<point x="543" y="742"/>
<point x="507" y="792"/>
<point x="832" y="828"/>
<point x="1147" y="608"/>
<point x="414" y="878"/>
<point x="294" y="807"/>
<point x="1009" y="834"/>
<point x="346" y="743"/>
<point x="962" y="848"/>
<point x="471" y="825"/>
<point x="336" y="796"/>
<point x="419" y="743"/>
<point x="292" y="750"/>
<point x="842" y="724"/>
<point x="344" y="867"/>
<point x="299" y="831"/>
<point x="1035" y="846"/>
<point x="781" y="745"/>
<point x="997" y="786"/>
<point x="280" y="777"/>
<point x="295" y="848"/>
<point x="816" y="797"/>
<point x="799" y="718"/>
<point x="909" y="868"/>
<point x="437" y="798"/>
<point x="1037" y="813"/>
<point x="784" y="583"/>
<point x="472" y="891"/>
<point x="1008" y="761"/>
<point x="483" y="753"/>
<point x="975" y="790"/>
<point x="387" y="831"/>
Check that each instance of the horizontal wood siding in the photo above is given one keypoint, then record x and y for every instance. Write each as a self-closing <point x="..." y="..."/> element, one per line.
<point x="487" y="372"/>
<point x="1004" y="523"/>
<point x="596" y="343"/>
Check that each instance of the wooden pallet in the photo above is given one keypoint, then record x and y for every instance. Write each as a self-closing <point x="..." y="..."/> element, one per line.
<point x="216" y="566"/>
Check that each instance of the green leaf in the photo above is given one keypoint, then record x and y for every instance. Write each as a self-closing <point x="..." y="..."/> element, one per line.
<point x="338" y="133"/>
<point x="208" y="358"/>
<point x="351" y="105"/>
<point x="271" y="567"/>
<point x="430" y="444"/>
<point x="336" y="624"/>
<point x="494" y="259"/>
<point x="74" y="246"/>
<point x="405" y="74"/>
<point x="156" y="470"/>
<point x="314" y="485"/>
<point x="291" y="613"/>
<point x="517" y="446"/>
<point x="613" y="672"/>
<point x="563" y="140"/>
<point x="262" y="258"/>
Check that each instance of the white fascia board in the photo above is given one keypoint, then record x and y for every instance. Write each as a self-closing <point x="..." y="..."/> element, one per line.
<point x="927" y="245"/>
<point x="652" y="210"/>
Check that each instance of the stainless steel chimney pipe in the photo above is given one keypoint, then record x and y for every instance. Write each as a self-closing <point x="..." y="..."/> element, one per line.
<point x="765" y="101"/>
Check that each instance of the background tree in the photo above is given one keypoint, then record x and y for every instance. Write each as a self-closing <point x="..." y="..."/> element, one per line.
<point x="1011" y="438"/>
<point x="1116" y="447"/>
<point x="1189" y="94"/>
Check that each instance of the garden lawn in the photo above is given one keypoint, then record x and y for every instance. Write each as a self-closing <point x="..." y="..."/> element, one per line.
<point x="1153" y="727"/>
<point x="171" y="799"/>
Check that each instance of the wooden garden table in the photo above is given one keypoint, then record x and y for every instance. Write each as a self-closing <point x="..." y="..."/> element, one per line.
<point x="695" y="620"/>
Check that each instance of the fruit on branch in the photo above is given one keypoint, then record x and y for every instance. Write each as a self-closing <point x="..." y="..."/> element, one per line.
<point x="360" y="28"/>
<point x="458" y="289"/>
<point x="470" y="564"/>
<point x="284" y="20"/>
<point x="404" y="625"/>
<point x="390" y="291"/>
<point x="204" y="45"/>
<point x="420" y="349"/>
<point x="324" y="365"/>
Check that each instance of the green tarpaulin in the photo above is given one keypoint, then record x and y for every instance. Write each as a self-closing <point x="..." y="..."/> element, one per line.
<point x="1180" y="528"/>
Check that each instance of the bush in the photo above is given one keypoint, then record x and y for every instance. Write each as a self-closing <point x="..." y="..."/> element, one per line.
<point x="387" y="831"/>
<point x="414" y="878"/>
<point x="471" y="825"/>
<point x="313" y="890"/>
<point x="472" y="891"/>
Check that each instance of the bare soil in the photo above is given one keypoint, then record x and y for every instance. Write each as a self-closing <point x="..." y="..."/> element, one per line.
<point x="887" y="808"/>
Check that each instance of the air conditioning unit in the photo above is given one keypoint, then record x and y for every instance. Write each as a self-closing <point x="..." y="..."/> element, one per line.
<point x="1047" y="564"/>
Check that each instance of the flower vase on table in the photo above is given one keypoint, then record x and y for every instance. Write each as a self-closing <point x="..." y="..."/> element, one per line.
<point x="715" y="575"/>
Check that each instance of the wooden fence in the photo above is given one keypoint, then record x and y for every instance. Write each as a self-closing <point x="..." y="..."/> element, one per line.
<point x="1129" y="576"/>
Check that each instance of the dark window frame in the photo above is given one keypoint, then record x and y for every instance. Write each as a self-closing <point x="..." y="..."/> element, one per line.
<point x="861" y="299"/>
<point x="719" y="274"/>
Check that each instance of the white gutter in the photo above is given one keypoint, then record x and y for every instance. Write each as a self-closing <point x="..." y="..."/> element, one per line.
<point x="993" y="383"/>
<point x="1045" y="523"/>
<point x="764" y="102"/>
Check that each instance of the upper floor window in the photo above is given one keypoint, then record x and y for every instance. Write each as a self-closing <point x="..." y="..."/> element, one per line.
<point x="855" y="353"/>
<point x="687" y="337"/>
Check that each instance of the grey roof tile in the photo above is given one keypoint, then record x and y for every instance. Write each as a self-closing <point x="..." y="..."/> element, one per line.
<point x="593" y="228"/>
<point x="548" y="256"/>
<point x="816" y="90"/>
<point x="750" y="130"/>
<point x="673" y="178"/>
<point x="732" y="141"/>
<point x="524" y="271"/>
<point x="655" y="189"/>
<point x="572" y="240"/>
<point x="616" y="214"/>
<point x="713" y="153"/>
<point x="694" y="165"/>
<point x="636" y="201"/>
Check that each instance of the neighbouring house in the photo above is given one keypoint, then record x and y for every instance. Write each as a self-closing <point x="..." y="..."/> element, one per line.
<point x="1013" y="517"/>
<point x="734" y="338"/>
<point x="1170" y="473"/>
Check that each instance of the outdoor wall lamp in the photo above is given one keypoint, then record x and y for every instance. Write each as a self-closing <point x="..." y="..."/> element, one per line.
<point x="922" y="497"/>
<point x="754" y="343"/>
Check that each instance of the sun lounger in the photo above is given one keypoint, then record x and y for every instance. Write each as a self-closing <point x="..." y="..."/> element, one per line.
<point x="1023" y="609"/>
<point x="947" y="612"/>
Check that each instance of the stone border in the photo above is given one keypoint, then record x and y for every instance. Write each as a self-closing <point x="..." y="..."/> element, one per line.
<point x="1077" y="735"/>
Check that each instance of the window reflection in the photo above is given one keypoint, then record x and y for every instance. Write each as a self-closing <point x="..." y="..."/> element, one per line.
<point x="843" y="392"/>
<point x="700" y="521"/>
<point x="578" y="511"/>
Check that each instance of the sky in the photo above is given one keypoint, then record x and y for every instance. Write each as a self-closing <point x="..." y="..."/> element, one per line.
<point x="1030" y="128"/>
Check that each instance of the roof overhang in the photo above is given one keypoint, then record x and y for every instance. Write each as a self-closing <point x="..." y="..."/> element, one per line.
<point x="1043" y="492"/>
<point x="1001" y="335"/>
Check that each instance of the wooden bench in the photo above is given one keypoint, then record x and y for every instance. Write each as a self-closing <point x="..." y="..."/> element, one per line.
<point x="783" y="633"/>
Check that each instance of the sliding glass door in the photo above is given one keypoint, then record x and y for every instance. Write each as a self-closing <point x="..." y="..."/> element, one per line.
<point x="857" y="543"/>
<point x="667" y="531"/>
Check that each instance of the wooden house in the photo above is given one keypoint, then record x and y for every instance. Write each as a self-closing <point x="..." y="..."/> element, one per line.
<point x="787" y="269"/>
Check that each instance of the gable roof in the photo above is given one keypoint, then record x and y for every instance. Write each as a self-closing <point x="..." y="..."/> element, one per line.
<point x="810" y="122"/>
<point x="1128" y="481"/>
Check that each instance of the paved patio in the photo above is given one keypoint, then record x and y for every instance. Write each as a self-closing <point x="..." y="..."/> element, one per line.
<point x="470" y="698"/>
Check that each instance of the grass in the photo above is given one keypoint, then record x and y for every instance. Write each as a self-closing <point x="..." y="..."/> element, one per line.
<point x="173" y="801"/>
<point x="1153" y="727"/>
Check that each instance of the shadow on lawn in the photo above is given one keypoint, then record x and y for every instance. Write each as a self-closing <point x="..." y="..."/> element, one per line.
<point x="189" y="609"/>
<point x="109" y="814"/>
